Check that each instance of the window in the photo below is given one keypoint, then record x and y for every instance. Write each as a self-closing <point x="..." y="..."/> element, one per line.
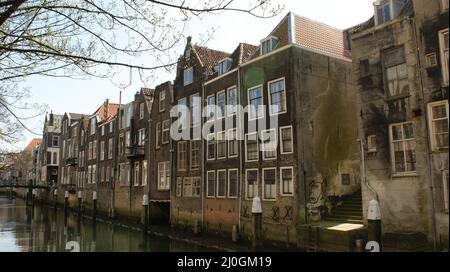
<point x="438" y="117"/>
<point x="211" y="147"/>
<point x="196" y="189"/>
<point x="372" y="143"/>
<point x="102" y="173"/>
<point x="251" y="147"/>
<point x="232" y="101"/>
<point x="144" y="173"/>
<point x="136" y="174"/>
<point x="181" y="156"/>
<point x="55" y="158"/>
<point x="121" y="144"/>
<point x="277" y="97"/>
<point x="444" y="5"/>
<point x="94" y="174"/>
<point x="211" y="110"/>
<point x="268" y="45"/>
<point x="93" y="125"/>
<point x="55" y="142"/>
<point x="403" y="148"/>
<point x="102" y="150"/>
<point x="162" y="100"/>
<point x="128" y="139"/>
<point x="233" y="183"/>
<point x="252" y="183"/>
<point x="179" y="189"/>
<point x="195" y="109"/>
<point x="166" y="132"/>
<point x="224" y="66"/>
<point x="431" y="60"/>
<point x="221" y="183"/>
<point x="94" y="150"/>
<point x="396" y="73"/>
<point x="211" y="184"/>
<point x="383" y="12"/>
<point x="187" y="54"/>
<point x="163" y="176"/>
<point x="287" y="181"/>
<point x="195" y="155"/>
<point x="187" y="187"/>
<point x="111" y="127"/>
<point x="103" y="131"/>
<point x="183" y="114"/>
<point x="158" y="135"/>
<point x="221" y="145"/>
<point x="82" y="138"/>
<point x="443" y="44"/>
<point x="286" y="140"/>
<point x="269" y="184"/>
<point x="445" y="189"/>
<point x="221" y="103"/>
<point x="269" y="146"/>
<point x="90" y="151"/>
<point x="255" y="102"/>
<point x="232" y="143"/>
<point x="108" y="174"/>
<point x="188" y="76"/>
<point x="141" y="111"/>
<point x="141" y="137"/>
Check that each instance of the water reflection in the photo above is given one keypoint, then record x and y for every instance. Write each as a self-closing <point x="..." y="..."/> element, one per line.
<point x="43" y="229"/>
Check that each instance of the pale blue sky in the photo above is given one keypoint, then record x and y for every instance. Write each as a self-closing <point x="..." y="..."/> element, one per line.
<point x="85" y="96"/>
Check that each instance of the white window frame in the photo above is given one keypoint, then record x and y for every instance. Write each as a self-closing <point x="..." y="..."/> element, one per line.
<point x="192" y="165"/>
<point x="275" y="142"/>
<point x="264" y="184"/>
<point x="195" y="111"/>
<point x="282" y="152"/>
<point x="162" y="105"/>
<point x="257" y="146"/>
<point x="250" y="117"/>
<point x="230" y="110"/>
<point x="444" y="63"/>
<point x="224" y="141"/>
<point x="270" y="49"/>
<point x="270" y="96"/>
<point x="237" y="183"/>
<point x="179" y="169"/>
<point x="102" y="150"/>
<point x="224" y="66"/>
<point x="232" y="131"/>
<point x="392" y="151"/>
<point x="141" y="137"/>
<point x="188" y="76"/>
<point x="165" y="130"/>
<point x="224" y="112"/>
<point x="213" y="110"/>
<point x="207" y="184"/>
<point x="144" y="173"/>
<point x="282" y="181"/>
<point x="225" y="183"/>
<point x="431" y="123"/>
<point x="93" y="125"/>
<point x="208" y="139"/>
<point x="164" y="167"/>
<point x="136" y="171"/>
<point x="110" y="148"/>
<point x="246" y="183"/>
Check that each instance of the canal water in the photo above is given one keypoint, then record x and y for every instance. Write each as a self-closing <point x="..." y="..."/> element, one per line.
<point x="43" y="229"/>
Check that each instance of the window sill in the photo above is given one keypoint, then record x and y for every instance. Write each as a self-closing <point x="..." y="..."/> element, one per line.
<point x="397" y="97"/>
<point x="405" y="175"/>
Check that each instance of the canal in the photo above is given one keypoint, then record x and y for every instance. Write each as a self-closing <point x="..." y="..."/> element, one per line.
<point x="43" y="229"/>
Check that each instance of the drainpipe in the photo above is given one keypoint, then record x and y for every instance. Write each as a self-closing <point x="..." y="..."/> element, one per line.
<point x="240" y="156"/>
<point x="423" y="108"/>
<point x="203" y="157"/>
<point x="363" y="170"/>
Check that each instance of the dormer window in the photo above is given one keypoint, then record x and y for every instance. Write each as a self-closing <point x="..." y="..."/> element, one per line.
<point x="387" y="10"/>
<point x="224" y="66"/>
<point x="269" y="44"/>
<point x="187" y="54"/>
<point x="188" y="76"/>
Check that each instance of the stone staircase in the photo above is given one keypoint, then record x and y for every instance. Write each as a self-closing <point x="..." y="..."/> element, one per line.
<point x="350" y="211"/>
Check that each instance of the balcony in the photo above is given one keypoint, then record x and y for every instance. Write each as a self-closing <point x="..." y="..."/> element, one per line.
<point x="135" y="152"/>
<point x="72" y="161"/>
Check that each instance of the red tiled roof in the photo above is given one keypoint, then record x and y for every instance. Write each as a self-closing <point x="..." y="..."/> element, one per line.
<point x="112" y="112"/>
<point x="210" y="58"/>
<point x="35" y="142"/>
<point x="319" y="36"/>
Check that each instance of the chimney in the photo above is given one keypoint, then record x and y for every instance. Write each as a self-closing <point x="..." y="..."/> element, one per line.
<point x="189" y="39"/>
<point x="106" y="109"/>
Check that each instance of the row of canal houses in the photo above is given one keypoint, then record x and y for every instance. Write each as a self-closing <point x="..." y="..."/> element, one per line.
<point x="337" y="138"/>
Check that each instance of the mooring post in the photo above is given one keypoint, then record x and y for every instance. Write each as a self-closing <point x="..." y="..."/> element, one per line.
<point x="257" y="224"/>
<point x="94" y="210"/>
<point x="55" y="197"/>
<point x="80" y="198"/>
<point x="66" y="203"/>
<point x="374" y="225"/>
<point x="145" y="204"/>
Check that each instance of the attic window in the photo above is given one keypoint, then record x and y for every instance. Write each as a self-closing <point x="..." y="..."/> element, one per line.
<point x="269" y="44"/>
<point x="224" y="66"/>
<point x="387" y="10"/>
<point x="187" y="54"/>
